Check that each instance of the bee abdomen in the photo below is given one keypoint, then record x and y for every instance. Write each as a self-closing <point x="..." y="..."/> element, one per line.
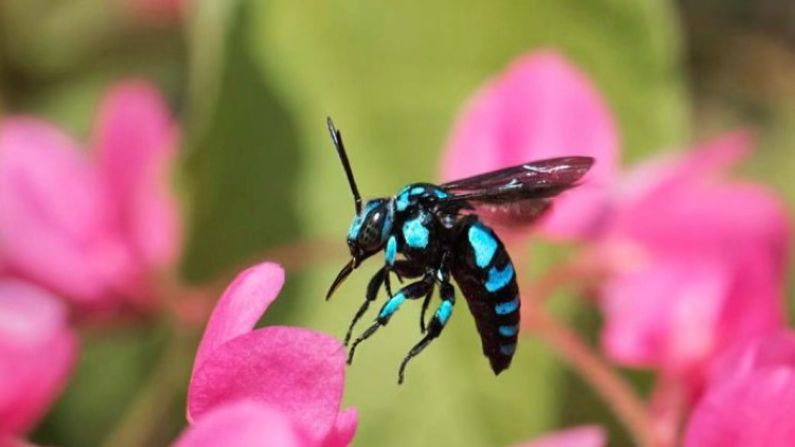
<point x="484" y="272"/>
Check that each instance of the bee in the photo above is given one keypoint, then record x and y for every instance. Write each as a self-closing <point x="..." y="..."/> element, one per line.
<point x="435" y="234"/>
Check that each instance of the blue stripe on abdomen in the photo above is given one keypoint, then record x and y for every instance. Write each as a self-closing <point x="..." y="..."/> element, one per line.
<point x="508" y="330"/>
<point x="483" y="244"/>
<point x="508" y="307"/>
<point x="508" y="349"/>
<point x="499" y="278"/>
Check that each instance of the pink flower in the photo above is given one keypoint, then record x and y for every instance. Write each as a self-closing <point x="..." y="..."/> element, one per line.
<point x="751" y="398"/>
<point x="585" y="436"/>
<point x="37" y="352"/>
<point x="277" y="385"/>
<point x="90" y="226"/>
<point x="698" y="263"/>
<point x="540" y="107"/>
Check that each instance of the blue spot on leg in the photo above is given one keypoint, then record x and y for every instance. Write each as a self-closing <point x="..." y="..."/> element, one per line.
<point x="444" y="311"/>
<point x="392" y="305"/>
<point x="415" y="233"/>
<point x="499" y="278"/>
<point x="483" y="244"/>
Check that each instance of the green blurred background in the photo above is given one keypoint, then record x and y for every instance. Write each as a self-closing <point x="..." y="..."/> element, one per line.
<point x="252" y="82"/>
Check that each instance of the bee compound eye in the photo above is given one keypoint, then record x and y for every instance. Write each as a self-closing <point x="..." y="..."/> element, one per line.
<point x="369" y="237"/>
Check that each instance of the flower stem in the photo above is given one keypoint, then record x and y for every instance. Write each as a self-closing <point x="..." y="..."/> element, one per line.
<point x="142" y="423"/>
<point x="625" y="404"/>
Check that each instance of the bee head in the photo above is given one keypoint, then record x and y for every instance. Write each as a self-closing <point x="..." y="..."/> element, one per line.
<point x="370" y="229"/>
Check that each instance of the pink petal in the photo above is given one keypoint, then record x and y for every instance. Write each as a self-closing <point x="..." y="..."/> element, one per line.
<point x="296" y="371"/>
<point x="723" y="221"/>
<point x="769" y="351"/>
<point x="540" y="107"/>
<point x="240" y="307"/>
<point x="662" y="174"/>
<point x="55" y="226"/>
<point x="711" y="270"/>
<point x="664" y="315"/>
<point x="752" y="404"/>
<point x="585" y="436"/>
<point x="37" y="351"/>
<point x="11" y="441"/>
<point x="136" y="144"/>
<point x="242" y="423"/>
<point x="344" y="429"/>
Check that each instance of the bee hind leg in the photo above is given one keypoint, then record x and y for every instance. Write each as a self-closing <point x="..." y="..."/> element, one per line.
<point x="435" y="327"/>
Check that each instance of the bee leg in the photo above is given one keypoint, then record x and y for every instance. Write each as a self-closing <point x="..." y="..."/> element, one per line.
<point x="425" y="305"/>
<point x="443" y="276"/>
<point x="387" y="283"/>
<point x="380" y="277"/>
<point x="438" y="322"/>
<point x="411" y="291"/>
<point x="370" y="295"/>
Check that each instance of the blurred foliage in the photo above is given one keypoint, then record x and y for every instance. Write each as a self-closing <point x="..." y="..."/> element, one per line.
<point x="113" y="367"/>
<point x="242" y="167"/>
<point x="253" y="82"/>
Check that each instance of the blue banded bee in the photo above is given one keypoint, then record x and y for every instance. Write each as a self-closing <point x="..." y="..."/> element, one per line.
<point x="433" y="234"/>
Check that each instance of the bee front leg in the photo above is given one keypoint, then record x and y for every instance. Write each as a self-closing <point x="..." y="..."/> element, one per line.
<point x="372" y="291"/>
<point x="410" y="292"/>
<point x="380" y="277"/>
<point x="442" y="276"/>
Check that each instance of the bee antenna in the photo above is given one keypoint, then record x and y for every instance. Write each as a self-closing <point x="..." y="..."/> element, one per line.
<point x="336" y="137"/>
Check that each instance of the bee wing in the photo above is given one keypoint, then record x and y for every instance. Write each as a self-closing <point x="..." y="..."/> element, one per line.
<point x="519" y="194"/>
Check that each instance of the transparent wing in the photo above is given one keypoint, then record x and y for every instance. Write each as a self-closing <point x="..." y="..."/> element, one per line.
<point x="518" y="194"/>
<point x="535" y="180"/>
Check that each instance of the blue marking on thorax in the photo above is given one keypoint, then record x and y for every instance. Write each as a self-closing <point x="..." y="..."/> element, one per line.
<point x="439" y="193"/>
<point x="506" y="308"/>
<point x="415" y="233"/>
<point x="417" y="190"/>
<point x="483" y="244"/>
<point x="402" y="201"/>
<point x="392" y="305"/>
<point x="499" y="278"/>
<point x="508" y="330"/>
<point x="507" y="349"/>
<point x="391" y="250"/>
<point x="444" y="311"/>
